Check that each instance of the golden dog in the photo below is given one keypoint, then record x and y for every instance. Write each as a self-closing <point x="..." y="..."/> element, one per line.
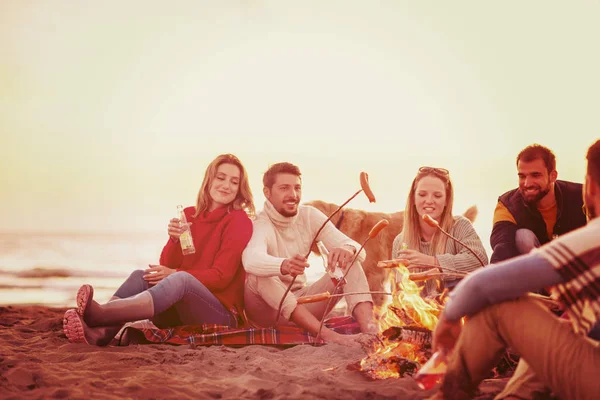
<point x="356" y="224"/>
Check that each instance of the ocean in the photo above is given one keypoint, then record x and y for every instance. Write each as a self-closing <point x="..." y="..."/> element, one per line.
<point x="48" y="268"/>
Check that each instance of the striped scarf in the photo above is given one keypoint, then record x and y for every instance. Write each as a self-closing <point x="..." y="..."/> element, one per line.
<point x="576" y="256"/>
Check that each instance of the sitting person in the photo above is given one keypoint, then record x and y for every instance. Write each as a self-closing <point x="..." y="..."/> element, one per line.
<point x="431" y="193"/>
<point x="554" y="349"/>
<point x="282" y="237"/>
<point x="205" y="287"/>
<point x="541" y="209"/>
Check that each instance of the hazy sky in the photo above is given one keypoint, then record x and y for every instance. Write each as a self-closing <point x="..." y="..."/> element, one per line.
<point x="110" y="111"/>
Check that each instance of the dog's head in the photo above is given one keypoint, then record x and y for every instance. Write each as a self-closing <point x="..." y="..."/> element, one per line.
<point x="356" y="224"/>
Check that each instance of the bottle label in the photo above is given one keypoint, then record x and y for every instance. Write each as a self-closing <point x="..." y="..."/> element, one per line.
<point x="187" y="244"/>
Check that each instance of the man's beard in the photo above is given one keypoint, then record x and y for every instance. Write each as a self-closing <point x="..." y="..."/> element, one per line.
<point x="287" y="213"/>
<point x="541" y="194"/>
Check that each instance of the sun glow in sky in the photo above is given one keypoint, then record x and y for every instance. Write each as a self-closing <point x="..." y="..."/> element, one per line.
<point x="110" y="111"/>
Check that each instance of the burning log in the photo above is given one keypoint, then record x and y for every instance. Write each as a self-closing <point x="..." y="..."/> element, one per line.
<point x="392" y="366"/>
<point x="402" y="315"/>
<point x="416" y="335"/>
<point x="423" y="276"/>
<point x="396" y="358"/>
<point x="405" y="325"/>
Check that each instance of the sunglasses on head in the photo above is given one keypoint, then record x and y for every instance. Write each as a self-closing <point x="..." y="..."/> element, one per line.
<point x="441" y="171"/>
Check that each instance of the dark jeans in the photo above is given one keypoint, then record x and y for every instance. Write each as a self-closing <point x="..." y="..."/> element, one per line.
<point x="179" y="299"/>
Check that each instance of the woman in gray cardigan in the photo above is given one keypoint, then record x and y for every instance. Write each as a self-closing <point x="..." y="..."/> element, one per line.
<point x="431" y="193"/>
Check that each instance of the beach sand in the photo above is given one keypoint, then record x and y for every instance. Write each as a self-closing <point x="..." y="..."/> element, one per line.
<point x="37" y="361"/>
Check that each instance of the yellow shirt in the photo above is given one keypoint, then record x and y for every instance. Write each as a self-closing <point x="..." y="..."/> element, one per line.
<point x="549" y="215"/>
<point x="501" y="213"/>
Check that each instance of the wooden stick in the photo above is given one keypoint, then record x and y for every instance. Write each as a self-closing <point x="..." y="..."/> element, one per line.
<point x="397" y="262"/>
<point x="433" y="223"/>
<point x="326" y="295"/>
<point x="378" y="227"/>
<point x="423" y="276"/>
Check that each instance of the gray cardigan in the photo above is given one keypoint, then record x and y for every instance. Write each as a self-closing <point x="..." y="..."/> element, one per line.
<point x="455" y="257"/>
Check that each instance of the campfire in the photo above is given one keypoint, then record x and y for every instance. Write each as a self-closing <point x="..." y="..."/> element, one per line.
<point x="405" y="323"/>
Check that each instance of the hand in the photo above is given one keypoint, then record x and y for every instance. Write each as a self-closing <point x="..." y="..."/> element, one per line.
<point x="176" y="228"/>
<point x="445" y="334"/>
<point x="294" y="266"/>
<point x="415" y="257"/>
<point x="340" y="256"/>
<point x="157" y="273"/>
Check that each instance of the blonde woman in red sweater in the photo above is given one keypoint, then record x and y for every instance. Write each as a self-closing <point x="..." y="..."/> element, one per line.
<point x="203" y="287"/>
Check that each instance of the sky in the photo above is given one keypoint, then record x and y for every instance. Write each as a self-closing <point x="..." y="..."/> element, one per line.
<point x="110" y="111"/>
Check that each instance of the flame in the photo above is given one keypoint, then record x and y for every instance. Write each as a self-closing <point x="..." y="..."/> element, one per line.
<point x="407" y="297"/>
<point x="405" y="307"/>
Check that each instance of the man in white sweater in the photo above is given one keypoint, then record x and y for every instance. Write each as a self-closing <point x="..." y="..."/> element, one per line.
<point x="282" y="235"/>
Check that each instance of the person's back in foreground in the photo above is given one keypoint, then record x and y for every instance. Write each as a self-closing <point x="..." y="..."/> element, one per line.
<point x="281" y="238"/>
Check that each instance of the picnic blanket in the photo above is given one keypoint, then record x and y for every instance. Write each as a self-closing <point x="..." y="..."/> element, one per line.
<point x="145" y="332"/>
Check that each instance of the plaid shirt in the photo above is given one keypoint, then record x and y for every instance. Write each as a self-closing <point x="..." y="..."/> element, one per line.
<point x="576" y="256"/>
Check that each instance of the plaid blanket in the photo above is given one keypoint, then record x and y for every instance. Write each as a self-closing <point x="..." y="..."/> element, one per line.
<point x="145" y="332"/>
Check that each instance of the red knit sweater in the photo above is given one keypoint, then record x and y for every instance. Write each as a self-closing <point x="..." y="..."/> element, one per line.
<point x="220" y="237"/>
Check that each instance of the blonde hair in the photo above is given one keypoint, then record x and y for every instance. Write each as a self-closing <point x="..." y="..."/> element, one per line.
<point x="243" y="200"/>
<point x="411" y="231"/>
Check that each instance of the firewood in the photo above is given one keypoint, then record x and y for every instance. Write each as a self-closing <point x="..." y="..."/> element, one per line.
<point x="423" y="276"/>
<point x="412" y="334"/>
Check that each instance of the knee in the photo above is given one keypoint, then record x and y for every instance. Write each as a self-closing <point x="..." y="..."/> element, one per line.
<point x="260" y="284"/>
<point x="138" y="274"/>
<point x="181" y="279"/>
<point x="526" y="241"/>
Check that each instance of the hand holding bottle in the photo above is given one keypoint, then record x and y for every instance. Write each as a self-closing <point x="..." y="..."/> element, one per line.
<point x="333" y="269"/>
<point x="176" y="229"/>
<point x="341" y="256"/>
<point x="179" y="230"/>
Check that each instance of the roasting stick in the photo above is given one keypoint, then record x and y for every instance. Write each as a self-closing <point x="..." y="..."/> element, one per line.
<point x="364" y="187"/>
<point x="326" y="295"/>
<point x="378" y="227"/>
<point x="403" y="262"/>
<point x="433" y="223"/>
<point x="423" y="276"/>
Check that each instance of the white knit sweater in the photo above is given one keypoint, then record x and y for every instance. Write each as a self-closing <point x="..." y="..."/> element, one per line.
<point x="275" y="238"/>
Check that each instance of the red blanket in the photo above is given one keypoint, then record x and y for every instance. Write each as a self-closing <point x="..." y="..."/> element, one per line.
<point x="145" y="332"/>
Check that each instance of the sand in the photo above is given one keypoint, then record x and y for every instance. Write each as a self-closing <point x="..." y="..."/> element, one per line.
<point x="37" y="361"/>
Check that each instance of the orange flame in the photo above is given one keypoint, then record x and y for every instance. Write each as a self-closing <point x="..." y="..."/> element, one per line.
<point x="405" y="307"/>
<point x="407" y="297"/>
